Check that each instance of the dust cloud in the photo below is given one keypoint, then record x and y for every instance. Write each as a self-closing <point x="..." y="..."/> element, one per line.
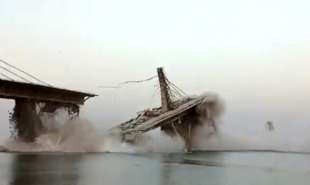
<point x="79" y="135"/>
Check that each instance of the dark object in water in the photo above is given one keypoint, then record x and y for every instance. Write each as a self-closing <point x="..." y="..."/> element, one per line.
<point x="270" y="126"/>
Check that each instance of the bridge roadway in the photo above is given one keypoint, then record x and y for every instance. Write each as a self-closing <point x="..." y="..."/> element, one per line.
<point x="36" y="92"/>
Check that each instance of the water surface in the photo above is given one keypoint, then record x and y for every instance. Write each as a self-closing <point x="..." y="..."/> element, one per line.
<point x="199" y="168"/>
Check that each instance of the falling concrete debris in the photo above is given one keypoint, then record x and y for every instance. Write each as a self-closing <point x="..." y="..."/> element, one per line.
<point x="25" y="119"/>
<point x="178" y="117"/>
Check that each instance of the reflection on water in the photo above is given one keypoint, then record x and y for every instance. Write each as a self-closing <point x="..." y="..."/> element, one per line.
<point x="172" y="163"/>
<point x="214" y="168"/>
<point x="44" y="170"/>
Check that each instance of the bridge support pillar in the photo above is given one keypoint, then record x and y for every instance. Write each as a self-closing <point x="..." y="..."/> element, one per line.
<point x="25" y="119"/>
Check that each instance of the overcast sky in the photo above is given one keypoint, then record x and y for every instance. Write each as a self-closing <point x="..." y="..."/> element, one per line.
<point x="254" y="54"/>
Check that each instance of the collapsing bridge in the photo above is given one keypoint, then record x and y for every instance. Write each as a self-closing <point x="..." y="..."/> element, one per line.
<point x="181" y="116"/>
<point x="33" y="97"/>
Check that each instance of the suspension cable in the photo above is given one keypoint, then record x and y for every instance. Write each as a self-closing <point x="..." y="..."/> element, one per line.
<point x="24" y="79"/>
<point x="7" y="77"/>
<point x="24" y="72"/>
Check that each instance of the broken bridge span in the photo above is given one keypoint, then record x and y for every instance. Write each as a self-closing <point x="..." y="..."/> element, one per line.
<point x="33" y="97"/>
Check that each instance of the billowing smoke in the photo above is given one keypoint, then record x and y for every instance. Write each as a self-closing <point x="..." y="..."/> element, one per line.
<point x="210" y="110"/>
<point x="78" y="135"/>
<point x="75" y="135"/>
<point x="72" y="136"/>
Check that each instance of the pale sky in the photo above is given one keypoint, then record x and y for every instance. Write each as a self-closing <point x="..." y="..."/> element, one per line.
<point x="254" y="54"/>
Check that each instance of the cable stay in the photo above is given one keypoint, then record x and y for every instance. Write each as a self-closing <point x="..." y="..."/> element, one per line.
<point x="7" y="77"/>
<point x="24" y="72"/>
<point x="16" y="75"/>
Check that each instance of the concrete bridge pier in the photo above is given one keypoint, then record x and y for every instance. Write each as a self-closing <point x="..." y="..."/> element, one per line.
<point x="25" y="120"/>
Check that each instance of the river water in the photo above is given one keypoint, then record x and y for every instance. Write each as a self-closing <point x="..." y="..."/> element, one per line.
<point x="198" y="168"/>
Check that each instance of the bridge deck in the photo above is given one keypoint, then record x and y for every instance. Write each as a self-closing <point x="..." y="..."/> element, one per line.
<point x="16" y="90"/>
<point x="132" y="129"/>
